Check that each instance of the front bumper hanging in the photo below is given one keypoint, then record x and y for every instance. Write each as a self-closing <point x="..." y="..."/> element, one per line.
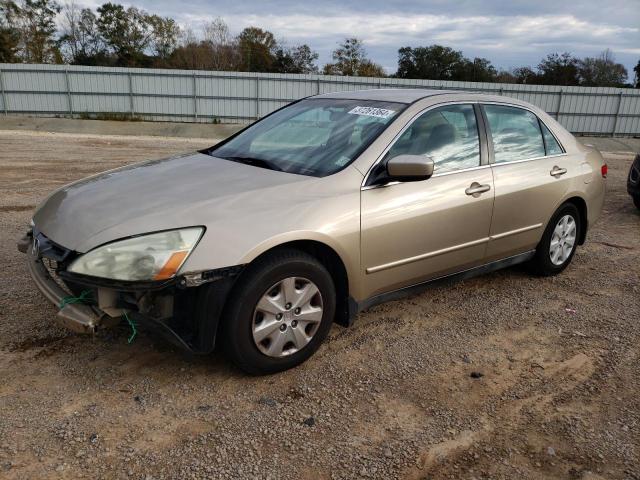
<point x="168" y="308"/>
<point x="74" y="316"/>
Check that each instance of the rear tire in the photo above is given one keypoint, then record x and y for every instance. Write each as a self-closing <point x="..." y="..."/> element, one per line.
<point x="270" y="300"/>
<point x="636" y="201"/>
<point x="559" y="242"/>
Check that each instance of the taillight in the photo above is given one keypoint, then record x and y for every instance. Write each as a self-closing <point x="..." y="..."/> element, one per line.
<point x="604" y="170"/>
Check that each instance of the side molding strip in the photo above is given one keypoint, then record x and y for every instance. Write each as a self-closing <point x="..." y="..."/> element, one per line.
<point x="463" y="275"/>
<point x="515" y="232"/>
<point x="435" y="253"/>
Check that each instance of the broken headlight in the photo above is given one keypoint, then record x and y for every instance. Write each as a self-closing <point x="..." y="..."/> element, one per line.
<point x="157" y="256"/>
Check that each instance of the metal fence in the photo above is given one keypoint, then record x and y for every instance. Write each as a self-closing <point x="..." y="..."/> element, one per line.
<point x="240" y="97"/>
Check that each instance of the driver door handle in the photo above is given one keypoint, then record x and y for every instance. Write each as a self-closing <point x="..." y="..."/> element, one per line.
<point x="475" y="189"/>
<point x="556" y="171"/>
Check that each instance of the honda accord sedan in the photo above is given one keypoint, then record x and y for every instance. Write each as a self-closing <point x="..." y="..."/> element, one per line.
<point x="323" y="208"/>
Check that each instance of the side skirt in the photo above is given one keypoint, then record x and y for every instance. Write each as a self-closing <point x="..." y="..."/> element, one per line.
<point x="453" y="277"/>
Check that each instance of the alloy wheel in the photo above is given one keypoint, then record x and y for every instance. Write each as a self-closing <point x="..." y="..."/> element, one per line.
<point x="563" y="240"/>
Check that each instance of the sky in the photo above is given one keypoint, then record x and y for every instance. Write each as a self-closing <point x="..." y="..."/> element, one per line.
<point x="510" y="33"/>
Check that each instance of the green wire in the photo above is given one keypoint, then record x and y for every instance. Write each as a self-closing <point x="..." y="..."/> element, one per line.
<point x="134" y="331"/>
<point x="85" y="297"/>
<point x="82" y="298"/>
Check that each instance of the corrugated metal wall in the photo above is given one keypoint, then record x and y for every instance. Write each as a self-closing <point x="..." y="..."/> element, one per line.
<point x="239" y="97"/>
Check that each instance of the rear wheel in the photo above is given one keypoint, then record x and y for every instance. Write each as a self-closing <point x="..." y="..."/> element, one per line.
<point x="559" y="241"/>
<point x="279" y="312"/>
<point x="636" y="201"/>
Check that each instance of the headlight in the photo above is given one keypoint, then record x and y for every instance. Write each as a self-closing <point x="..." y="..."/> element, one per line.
<point x="157" y="256"/>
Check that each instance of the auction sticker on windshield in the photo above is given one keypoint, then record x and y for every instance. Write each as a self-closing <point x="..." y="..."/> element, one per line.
<point x="372" y="112"/>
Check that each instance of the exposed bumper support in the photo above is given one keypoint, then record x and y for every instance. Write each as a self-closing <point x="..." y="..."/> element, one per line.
<point x="77" y="317"/>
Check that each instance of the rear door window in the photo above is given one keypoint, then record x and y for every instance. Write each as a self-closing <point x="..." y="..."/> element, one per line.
<point x="515" y="132"/>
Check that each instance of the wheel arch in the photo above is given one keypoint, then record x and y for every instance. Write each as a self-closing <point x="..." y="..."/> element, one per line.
<point x="581" y="205"/>
<point x="336" y="267"/>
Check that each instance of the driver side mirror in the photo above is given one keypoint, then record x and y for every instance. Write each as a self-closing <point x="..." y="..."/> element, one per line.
<point x="410" y="168"/>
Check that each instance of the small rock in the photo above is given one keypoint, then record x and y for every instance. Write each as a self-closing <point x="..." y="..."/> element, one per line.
<point x="551" y="451"/>
<point x="476" y="375"/>
<point x="309" y="422"/>
<point x="270" y="402"/>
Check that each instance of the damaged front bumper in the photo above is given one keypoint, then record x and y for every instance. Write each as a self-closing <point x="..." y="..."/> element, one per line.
<point x="171" y="308"/>
<point x="74" y="316"/>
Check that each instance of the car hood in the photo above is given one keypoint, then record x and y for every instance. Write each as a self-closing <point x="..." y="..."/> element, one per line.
<point x="175" y="192"/>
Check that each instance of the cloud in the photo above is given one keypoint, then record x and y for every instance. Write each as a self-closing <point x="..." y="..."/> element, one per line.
<point x="508" y="32"/>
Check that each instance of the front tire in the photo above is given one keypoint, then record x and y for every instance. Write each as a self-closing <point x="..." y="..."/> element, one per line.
<point x="279" y="312"/>
<point x="559" y="242"/>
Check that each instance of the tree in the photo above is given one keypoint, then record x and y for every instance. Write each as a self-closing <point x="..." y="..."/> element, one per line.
<point x="36" y="21"/>
<point x="558" y="69"/>
<point x="80" y="38"/>
<point x="602" y="71"/>
<point x="298" y="59"/>
<point x="257" y="49"/>
<point x="350" y="59"/>
<point x="525" y="75"/>
<point x="165" y="34"/>
<point x="223" y="48"/>
<point x="127" y="33"/>
<point x="9" y="32"/>
<point x="369" y="68"/>
<point x="476" y="70"/>
<point x="636" y="69"/>
<point x="435" y="62"/>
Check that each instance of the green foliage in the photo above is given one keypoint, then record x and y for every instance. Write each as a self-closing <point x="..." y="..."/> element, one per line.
<point x="558" y="69"/>
<point x="435" y="62"/>
<point x="80" y="40"/>
<point x="165" y="35"/>
<point x="111" y="116"/>
<point x="298" y="59"/>
<point x="27" y="30"/>
<point x="257" y="49"/>
<point x="438" y="62"/>
<point x="126" y="33"/>
<point x="350" y="59"/>
<point x="602" y="71"/>
<point x="9" y="34"/>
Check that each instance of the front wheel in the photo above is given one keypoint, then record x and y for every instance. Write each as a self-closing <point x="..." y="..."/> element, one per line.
<point x="559" y="241"/>
<point x="279" y="312"/>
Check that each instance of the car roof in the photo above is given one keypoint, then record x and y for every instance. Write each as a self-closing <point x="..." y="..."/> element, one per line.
<point x="402" y="95"/>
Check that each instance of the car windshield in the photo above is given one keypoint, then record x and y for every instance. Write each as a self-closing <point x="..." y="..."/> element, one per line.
<point x="315" y="137"/>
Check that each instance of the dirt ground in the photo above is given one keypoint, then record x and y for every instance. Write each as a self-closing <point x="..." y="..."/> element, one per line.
<point x="557" y="361"/>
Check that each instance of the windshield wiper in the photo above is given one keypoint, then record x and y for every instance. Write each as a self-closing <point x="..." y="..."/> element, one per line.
<point x="256" y="162"/>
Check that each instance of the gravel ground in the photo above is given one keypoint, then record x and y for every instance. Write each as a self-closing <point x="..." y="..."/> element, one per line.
<point x="501" y="376"/>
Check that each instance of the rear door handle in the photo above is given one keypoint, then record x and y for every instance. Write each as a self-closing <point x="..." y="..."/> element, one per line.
<point x="556" y="171"/>
<point x="475" y="189"/>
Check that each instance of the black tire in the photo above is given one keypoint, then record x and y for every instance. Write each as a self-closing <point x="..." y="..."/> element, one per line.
<point x="636" y="201"/>
<point x="541" y="263"/>
<point x="236" y="331"/>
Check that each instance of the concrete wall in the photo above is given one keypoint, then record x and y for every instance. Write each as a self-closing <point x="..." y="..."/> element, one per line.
<point x="241" y="97"/>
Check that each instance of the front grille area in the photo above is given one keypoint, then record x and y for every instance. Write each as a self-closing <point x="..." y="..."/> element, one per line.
<point x="53" y="256"/>
<point x="52" y="267"/>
